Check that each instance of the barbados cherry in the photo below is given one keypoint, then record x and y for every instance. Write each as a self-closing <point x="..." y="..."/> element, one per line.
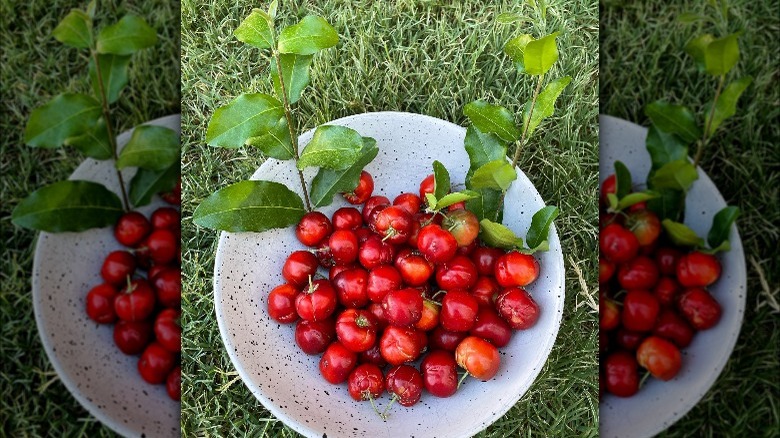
<point x="673" y="327"/>
<point x="403" y="307"/>
<point x="374" y="252"/>
<point x="606" y="270"/>
<point x="409" y="202"/>
<point x="660" y="357"/>
<point x="163" y="246"/>
<point x="428" y="185"/>
<point x="444" y="339"/>
<point x="645" y="225"/>
<point x="167" y="284"/>
<point x="491" y="327"/>
<point x="458" y="273"/>
<point x="516" y="269"/>
<point x="299" y="266"/>
<point x="458" y="311"/>
<point x="436" y="244"/>
<point x="609" y="314"/>
<point x="166" y="217"/>
<point x="132" y="228"/>
<point x="485" y="258"/>
<point x="373" y="203"/>
<point x="337" y="362"/>
<point x="381" y="280"/>
<point x="351" y="287"/>
<point x="347" y="218"/>
<point x="356" y="330"/>
<point x="173" y="384"/>
<point x="479" y="357"/>
<point x="440" y="373"/>
<point x="317" y="301"/>
<point x="666" y="291"/>
<point x="167" y="330"/>
<point x="132" y="337"/>
<point x="135" y="301"/>
<point x="430" y="316"/>
<point x="281" y="303"/>
<point x="155" y="363"/>
<point x="372" y="356"/>
<point x="517" y="308"/>
<point x="629" y="339"/>
<point x="617" y="243"/>
<point x="100" y="303"/>
<point x="398" y="345"/>
<point x="393" y="224"/>
<point x="117" y="267"/>
<point x="666" y="259"/>
<point x="405" y="383"/>
<point x="463" y="225"/>
<point x="366" y="382"/>
<point x="313" y="337"/>
<point x="638" y="273"/>
<point x="621" y="375"/>
<point x="486" y="290"/>
<point x="343" y="246"/>
<point x="414" y="268"/>
<point x="363" y="190"/>
<point x="313" y="228"/>
<point x="608" y="186"/>
<point x="640" y="310"/>
<point x="697" y="269"/>
<point x="699" y="308"/>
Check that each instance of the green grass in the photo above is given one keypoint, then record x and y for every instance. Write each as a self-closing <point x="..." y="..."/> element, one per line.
<point x="429" y="57"/>
<point x="34" y="68"/>
<point x="642" y="60"/>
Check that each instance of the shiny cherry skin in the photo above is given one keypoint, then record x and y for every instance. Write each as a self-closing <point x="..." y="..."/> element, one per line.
<point x="666" y="259"/>
<point x="166" y="217"/>
<point x="666" y="291"/>
<point x="405" y="383"/>
<point x="371" y="204"/>
<point x="516" y="269"/>
<point x="421" y="220"/>
<point x="100" y="303"/>
<point x="167" y="285"/>
<point x="458" y="273"/>
<point x="374" y="252"/>
<point x="299" y="267"/>
<point x="629" y="339"/>
<point x="313" y="228"/>
<point x="347" y="218"/>
<point x="697" y="269"/>
<point x="621" y="375"/>
<point x="343" y="246"/>
<point x="403" y="307"/>
<point x="442" y="339"/>
<point x="491" y="327"/>
<point x="617" y="243"/>
<point x="156" y="363"/>
<point x="337" y="362"/>
<point x="381" y="280"/>
<point x="356" y="330"/>
<point x="517" y="308"/>
<point x="131" y="229"/>
<point x="324" y="255"/>
<point x="281" y="303"/>
<point x="338" y="269"/>
<point x="608" y="186"/>
<point x="645" y="225"/>
<point x="373" y="356"/>
<point x="117" y="267"/>
<point x="606" y="270"/>
<point x="428" y="185"/>
<point x="313" y="337"/>
<point x="163" y="246"/>
<point x="609" y="314"/>
<point x="167" y="330"/>
<point x="409" y="202"/>
<point x="485" y="259"/>
<point x="173" y="384"/>
<point x="414" y="268"/>
<point x="132" y="337"/>
<point x="363" y="190"/>
<point x="135" y="301"/>
<point x="661" y="357"/>
<point x="699" y="308"/>
<point x="486" y="290"/>
<point x="463" y="225"/>
<point x="640" y="310"/>
<point x="366" y="382"/>
<point x="436" y="244"/>
<point x="440" y="373"/>
<point x="379" y="316"/>
<point x="458" y="311"/>
<point x="317" y="301"/>
<point x="399" y="345"/>
<point x="673" y="327"/>
<point x="393" y="224"/>
<point x="478" y="357"/>
<point x="351" y="287"/>
<point x="430" y="316"/>
<point x="638" y="273"/>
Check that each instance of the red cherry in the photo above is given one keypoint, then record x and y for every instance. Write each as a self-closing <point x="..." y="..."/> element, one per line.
<point x="363" y="190"/>
<point x="379" y="316"/>
<point x="479" y="357"/>
<point x="338" y="269"/>
<point x="430" y="316"/>
<point x="382" y="280"/>
<point x="347" y="218"/>
<point x="436" y="244"/>
<point x="398" y="345"/>
<point x="403" y="307"/>
<point x="135" y="302"/>
<point x="645" y="225"/>
<point x="156" y="363"/>
<point x="486" y="290"/>
<point x="356" y="329"/>
<point x="337" y="362"/>
<point x="132" y="228"/>
<point x="405" y="383"/>
<point x="428" y="185"/>
<point x="617" y="243"/>
<point x="173" y="384"/>
<point x="343" y="246"/>
<point x="317" y="301"/>
<point x="167" y="330"/>
<point x="393" y="224"/>
<point x="166" y="217"/>
<point x="673" y="327"/>
<point x="491" y="327"/>
<point x="132" y="337"/>
<point x="351" y="287"/>
<point x="516" y="269"/>
<point x="697" y="269"/>
<point x="324" y="255"/>
<point x="458" y="311"/>
<point x="666" y="259"/>
<point x="463" y="225"/>
<point x="366" y="382"/>
<point x="440" y="373"/>
<point x="313" y="337"/>
<point x="660" y="357"/>
<point x="313" y="228"/>
<point x="281" y="303"/>
<point x="409" y="202"/>
<point x="606" y="270"/>
<point x="299" y="266"/>
<point x="517" y="308"/>
<point x="117" y="267"/>
<point x="608" y="186"/>
<point x="458" y="273"/>
<point x="639" y="273"/>
<point x="163" y="246"/>
<point x="609" y="314"/>
<point x="442" y="339"/>
<point x="174" y="196"/>
<point x="621" y="375"/>
<point x="699" y="308"/>
<point x="629" y="339"/>
<point x="415" y="269"/>
<point x="640" y="310"/>
<point x="100" y="303"/>
<point x="374" y="252"/>
<point x="485" y="258"/>
<point x="371" y="204"/>
<point x="666" y="291"/>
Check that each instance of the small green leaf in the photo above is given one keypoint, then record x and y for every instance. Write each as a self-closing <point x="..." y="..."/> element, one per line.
<point x="332" y="147"/>
<point x="147" y="183"/>
<point x="675" y="119"/>
<point x="308" y="37"/>
<point x="74" y="30"/>
<point x="721" y="55"/>
<point x="129" y="35"/>
<point x="681" y="234"/>
<point x="697" y="47"/>
<point x="493" y="119"/>
<point x="486" y="206"/>
<point x="622" y="180"/>
<point x="68" y="206"/>
<point x="67" y="115"/>
<point x="256" y="30"/>
<point x="113" y="71"/>
<point x="664" y="147"/>
<point x="497" y="175"/>
<point x="272" y="9"/>
<point x="248" y="115"/>
<point x="540" y="227"/>
<point x="508" y="18"/>
<point x="276" y="142"/>
<point x="540" y="55"/>
<point x="515" y="49"/>
<point x="250" y="206"/>
<point x="545" y="104"/>
<point x="498" y="235"/>
<point x="431" y="201"/>
<point x="441" y="178"/>
<point x="677" y="175"/>
<point x="295" y="72"/>
<point x="636" y="198"/>
<point x="668" y="205"/>
<point x="150" y="147"/>
<point x="721" y="226"/>
<point x="94" y="143"/>
<point x="612" y="201"/>
<point x="726" y="106"/>
<point x="91" y="7"/>
<point x="482" y="148"/>
<point x="328" y="183"/>
<point x="454" y="198"/>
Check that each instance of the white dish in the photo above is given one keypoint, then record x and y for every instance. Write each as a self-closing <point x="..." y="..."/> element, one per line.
<point x="659" y="404"/>
<point x="104" y="380"/>
<point x="288" y="382"/>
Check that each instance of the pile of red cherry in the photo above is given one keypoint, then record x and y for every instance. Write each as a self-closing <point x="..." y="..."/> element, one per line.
<point x="652" y="297"/>
<point x="147" y="309"/>
<point x="403" y="284"/>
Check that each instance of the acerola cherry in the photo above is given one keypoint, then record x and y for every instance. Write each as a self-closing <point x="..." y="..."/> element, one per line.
<point x="347" y="218"/>
<point x="167" y="330"/>
<point x="351" y="287"/>
<point x="640" y="310"/>
<point x="479" y="357"/>
<point x="337" y="362"/>
<point x="155" y="363"/>
<point x="463" y="225"/>
<point x="100" y="303"/>
<point x="428" y="185"/>
<point x="666" y="291"/>
<point x="517" y="308"/>
<point x="486" y="290"/>
<point x="621" y="375"/>
<point x="638" y="273"/>
<point x="666" y="259"/>
<point x="281" y="303"/>
<point x="415" y="269"/>
<point x="166" y="217"/>
<point x="645" y="225"/>
<point x="673" y="327"/>
<point x="430" y="316"/>
<point x="609" y="314"/>
<point x="373" y="203"/>
<point x="338" y="269"/>
<point x="405" y="383"/>
<point x="409" y="202"/>
<point x="398" y="345"/>
<point x="132" y="228"/>
<point x="660" y="357"/>
<point x="317" y="301"/>
<point x="606" y="270"/>
<point x="131" y="337"/>
<point x="379" y="316"/>
<point x="458" y="311"/>
<point x="382" y="280"/>
<point x="299" y="266"/>
<point x="135" y="301"/>
<point x="699" y="308"/>
<point x="697" y="269"/>
<point x="403" y="307"/>
<point x="163" y="246"/>
<point x="374" y="252"/>
<point x="343" y="246"/>
<point x="363" y="190"/>
<point x="323" y="255"/>
<point x="516" y="269"/>
<point x="356" y="329"/>
<point x="167" y="284"/>
<point x="617" y="243"/>
<point x="366" y="382"/>
<point x="117" y="267"/>
<point x="173" y="384"/>
<point x="393" y="224"/>
<point x="444" y="339"/>
<point x="313" y="228"/>
<point x="491" y="327"/>
<point x="313" y="337"/>
<point x="458" y="273"/>
<point x="629" y="339"/>
<point x="485" y="258"/>
<point x="608" y="186"/>
<point x="436" y="244"/>
<point x="440" y="373"/>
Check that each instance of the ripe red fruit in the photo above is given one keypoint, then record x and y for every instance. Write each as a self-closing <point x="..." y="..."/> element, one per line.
<point x="343" y="246"/>
<point x="409" y="202"/>
<point x="436" y="244"/>
<point x="299" y="266"/>
<point x="167" y="330"/>
<point x="382" y="280"/>
<point x="638" y="273"/>
<point x="640" y="310"/>
<point x="428" y="185"/>
<point x="132" y="337"/>
<point x="403" y="307"/>
<point x="666" y="259"/>
<point x="356" y="329"/>
<point x="398" y="345"/>
<point x="313" y="228"/>
<point x="645" y="225"/>
<point x="621" y="375"/>
<point x="163" y="246"/>
<point x="351" y="287"/>
<point x="666" y="291"/>
<point x="608" y="186"/>
<point x="629" y="339"/>
<point x="393" y="224"/>
<point x="281" y="303"/>
<point x="313" y="337"/>
<point x="372" y="356"/>
<point x="673" y="327"/>
<point x="415" y="269"/>
<point x="660" y="357"/>
<point x="440" y="373"/>
<point x="517" y="308"/>
<point x="458" y="311"/>
<point x="379" y="315"/>
<point x="374" y="252"/>
<point x="372" y="204"/>
<point x="135" y="302"/>
<point x="100" y="303"/>
<point x="173" y="384"/>
<point x="363" y="190"/>
<point x="166" y="217"/>
<point x="491" y="327"/>
<point x="697" y="269"/>
<point x="406" y="383"/>
<point x="156" y="363"/>
<point x="699" y="308"/>
<point x="442" y="339"/>
<point x="430" y="316"/>
<point x="323" y="255"/>
<point x="317" y="301"/>
<point x="458" y="273"/>
<point x="132" y="228"/>
<point x="609" y="314"/>
<point x="463" y="225"/>
<point x="516" y="269"/>
<point x="606" y="270"/>
<point x="366" y="382"/>
<point x="486" y="290"/>
<point x="485" y="258"/>
<point x="617" y="243"/>
<point x="117" y="267"/>
<point x="347" y="218"/>
<point x="479" y="357"/>
<point x="337" y="362"/>
<point x="174" y="196"/>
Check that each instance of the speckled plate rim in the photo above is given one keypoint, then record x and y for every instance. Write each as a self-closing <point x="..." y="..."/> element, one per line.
<point x="606" y="123"/>
<point x="37" y="296"/>
<point x="309" y="432"/>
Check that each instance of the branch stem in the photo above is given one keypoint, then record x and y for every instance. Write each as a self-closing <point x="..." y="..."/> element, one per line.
<point x="521" y="142"/>
<point x="708" y="126"/>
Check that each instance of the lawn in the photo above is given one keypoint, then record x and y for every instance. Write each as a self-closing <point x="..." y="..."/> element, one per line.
<point x="642" y="60"/>
<point x="35" y="68"/>
<point x="428" y="57"/>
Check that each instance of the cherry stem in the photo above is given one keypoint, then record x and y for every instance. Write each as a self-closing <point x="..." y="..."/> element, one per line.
<point x="437" y="294"/>
<point x="384" y="415"/>
<point x="460" y="382"/>
<point x="129" y="284"/>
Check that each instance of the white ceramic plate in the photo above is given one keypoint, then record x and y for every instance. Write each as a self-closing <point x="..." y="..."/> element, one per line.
<point x="288" y="382"/>
<point x="105" y="381"/>
<point x="659" y="404"/>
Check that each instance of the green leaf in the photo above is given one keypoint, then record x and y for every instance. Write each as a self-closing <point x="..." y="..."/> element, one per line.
<point x="308" y="37"/>
<point x="68" y="206"/>
<point x="697" y="47"/>
<point x="91" y="7"/>
<point x="248" y="115"/>
<point x="295" y="72"/>
<point x="67" y="115"/>
<point x="113" y="71"/>
<point x="272" y="9"/>
<point x="497" y="175"/>
<point x="675" y="119"/>
<point x="128" y="35"/>
<point x="545" y="104"/>
<point x="677" y="175"/>
<point x="681" y="234"/>
<point x="721" y="226"/>
<point x="94" y="143"/>
<point x="250" y="206"/>
<point x="441" y="178"/>
<point x="328" y="183"/>
<point x="668" y="205"/>
<point x="540" y="55"/>
<point x="636" y="198"/>
<point x="622" y="180"/>
<point x="74" y="30"/>
<point x="256" y="30"/>
<point x="515" y="49"/>
<point x="454" y="198"/>
<point x="721" y="55"/>
<point x="689" y="17"/>
<point x="276" y="142"/>
<point x="612" y="201"/>
<point x="430" y="200"/>
<point x="150" y="147"/>
<point x="332" y="147"/>
<point x="726" y="106"/>
<point x="498" y="235"/>
<point x="482" y="148"/>
<point x="508" y="18"/>
<point x="492" y="119"/>
<point x="147" y="183"/>
<point x="664" y="147"/>
<point x="536" y="237"/>
<point x="486" y="206"/>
